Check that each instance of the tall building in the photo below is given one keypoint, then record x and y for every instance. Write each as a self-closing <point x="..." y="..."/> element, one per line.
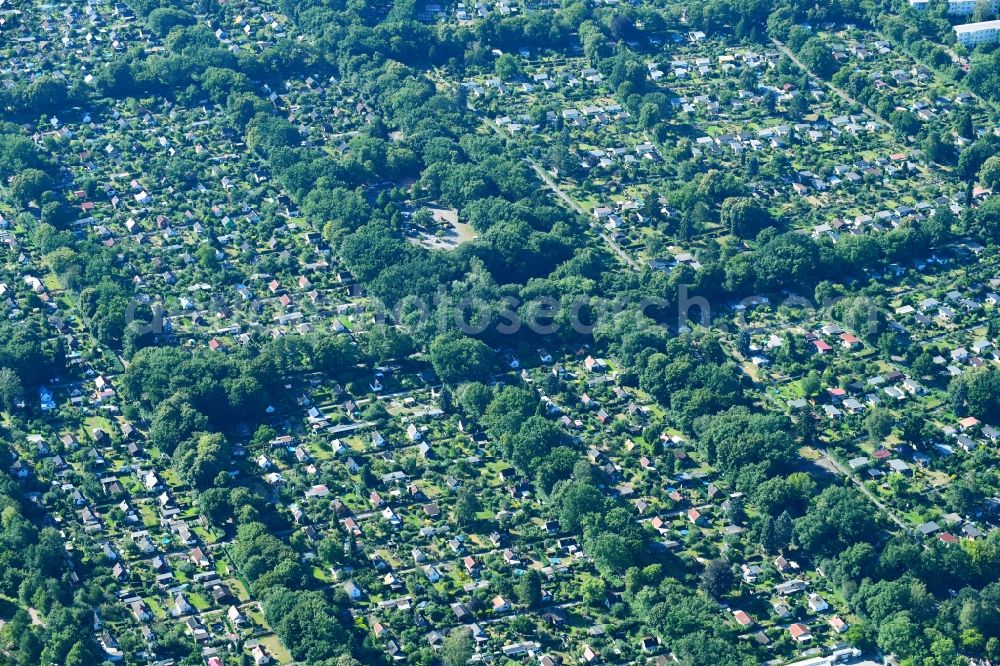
<point x="957" y="7"/>
<point x="971" y="34"/>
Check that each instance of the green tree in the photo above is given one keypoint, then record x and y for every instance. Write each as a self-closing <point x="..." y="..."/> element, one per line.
<point x="265" y="134"/>
<point x="17" y="153"/>
<point x="11" y="389"/>
<point x="977" y="392"/>
<point x="879" y="424"/>
<point x="717" y="579"/>
<point x="649" y="115"/>
<point x="900" y="635"/>
<point x="744" y="216"/>
<point x="556" y="466"/>
<point x="972" y="158"/>
<point x="306" y="623"/>
<point x="507" y="67"/>
<point x="593" y="590"/>
<point x="28" y="186"/>
<point x="745" y="445"/>
<point x="200" y="459"/>
<point x="81" y="654"/>
<point x="474" y="398"/>
<point x="174" y="421"/>
<point x="811" y="385"/>
<point x="836" y="518"/>
<point x="936" y="150"/>
<point x="458" y="358"/>
<point x="573" y="501"/>
<point x="382" y="343"/>
<point x="466" y="507"/>
<point x="214" y="504"/>
<point x="207" y="259"/>
<point x="529" y="588"/>
<point x="221" y="82"/>
<point x="963" y="124"/>
<point x="45" y="95"/>
<point x="963" y="496"/>
<point x="536" y="438"/>
<point x="458" y="647"/>
<point x="614" y="541"/>
<point x="164" y="19"/>
<point x="818" y="57"/>
<point x="905" y="123"/>
<point x="989" y="174"/>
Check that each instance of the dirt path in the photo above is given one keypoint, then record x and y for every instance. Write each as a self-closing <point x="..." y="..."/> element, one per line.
<point x="833" y="464"/>
<point x="572" y="204"/>
<point x="568" y="200"/>
<point x="35" y="617"/>
<point x="826" y="84"/>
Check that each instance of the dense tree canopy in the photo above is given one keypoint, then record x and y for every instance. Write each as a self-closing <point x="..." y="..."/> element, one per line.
<point x="457" y="358"/>
<point x="745" y="446"/>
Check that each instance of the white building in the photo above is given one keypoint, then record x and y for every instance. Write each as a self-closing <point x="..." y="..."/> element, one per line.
<point x="957" y="7"/>
<point x="971" y="34"/>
